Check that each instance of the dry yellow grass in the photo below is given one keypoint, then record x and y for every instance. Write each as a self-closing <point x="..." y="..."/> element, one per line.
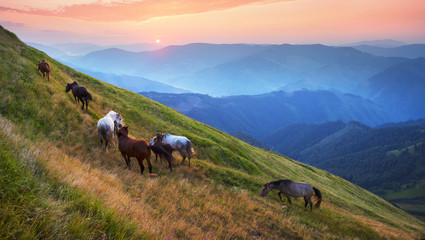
<point x="183" y="204"/>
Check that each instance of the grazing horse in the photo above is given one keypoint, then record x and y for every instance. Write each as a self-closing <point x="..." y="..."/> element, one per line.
<point x="294" y="189"/>
<point x="79" y="92"/>
<point x="44" y="68"/>
<point x="167" y="147"/>
<point x="164" y="149"/>
<point x="179" y="143"/>
<point x="130" y="147"/>
<point x="106" y="126"/>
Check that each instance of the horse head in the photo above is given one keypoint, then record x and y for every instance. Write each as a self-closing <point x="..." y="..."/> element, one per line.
<point x="123" y="131"/>
<point x="266" y="189"/>
<point x="69" y="86"/>
<point x="118" y="120"/>
<point x="159" y="137"/>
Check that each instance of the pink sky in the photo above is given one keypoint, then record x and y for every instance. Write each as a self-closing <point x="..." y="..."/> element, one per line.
<point x="220" y="21"/>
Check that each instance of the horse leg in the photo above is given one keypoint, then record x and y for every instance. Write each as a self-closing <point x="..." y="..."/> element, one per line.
<point x="101" y="140"/>
<point x="106" y="145"/>
<point x="311" y="203"/>
<point x="280" y="196"/>
<point x="87" y="105"/>
<point x="188" y="156"/>
<point x="148" y="159"/>
<point x="183" y="155"/>
<point x="142" y="168"/>
<point x="82" y="101"/>
<point x="127" y="160"/>
<point x="169" y="162"/>
<point x="289" y="198"/>
<point x="305" y="202"/>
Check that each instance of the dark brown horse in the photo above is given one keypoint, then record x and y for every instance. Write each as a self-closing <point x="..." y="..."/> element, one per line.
<point x="294" y="189"/>
<point x="160" y="150"/>
<point x="79" y="92"/>
<point x="44" y="68"/>
<point x="137" y="148"/>
<point x="163" y="150"/>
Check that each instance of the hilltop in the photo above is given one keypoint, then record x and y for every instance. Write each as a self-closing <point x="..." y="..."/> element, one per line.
<point x="57" y="182"/>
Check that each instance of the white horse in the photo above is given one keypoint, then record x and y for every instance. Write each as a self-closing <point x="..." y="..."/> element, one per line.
<point x="106" y="126"/>
<point x="179" y="143"/>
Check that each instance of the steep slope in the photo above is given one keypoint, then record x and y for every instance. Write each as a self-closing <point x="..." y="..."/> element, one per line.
<point x="387" y="160"/>
<point x="260" y="115"/>
<point x="216" y="198"/>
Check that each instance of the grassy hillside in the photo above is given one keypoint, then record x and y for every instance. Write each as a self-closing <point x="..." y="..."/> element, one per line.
<point x="57" y="179"/>
<point x="387" y="160"/>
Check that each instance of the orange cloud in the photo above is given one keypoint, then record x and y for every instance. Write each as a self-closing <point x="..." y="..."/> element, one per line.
<point x="138" y="11"/>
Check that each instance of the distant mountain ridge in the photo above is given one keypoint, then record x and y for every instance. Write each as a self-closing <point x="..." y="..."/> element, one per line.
<point x="407" y="51"/>
<point x="400" y="89"/>
<point x="240" y="69"/>
<point x="260" y="115"/>
<point x="132" y="83"/>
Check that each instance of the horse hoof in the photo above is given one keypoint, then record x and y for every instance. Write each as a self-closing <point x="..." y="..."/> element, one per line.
<point x="151" y="175"/>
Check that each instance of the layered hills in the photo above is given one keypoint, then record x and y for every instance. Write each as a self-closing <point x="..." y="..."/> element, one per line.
<point x="57" y="181"/>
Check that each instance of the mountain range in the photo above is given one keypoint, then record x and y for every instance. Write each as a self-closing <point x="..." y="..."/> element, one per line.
<point x="57" y="180"/>
<point x="259" y="115"/>
<point x="240" y="69"/>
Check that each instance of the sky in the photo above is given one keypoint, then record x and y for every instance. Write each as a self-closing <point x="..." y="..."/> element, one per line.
<point x="177" y="22"/>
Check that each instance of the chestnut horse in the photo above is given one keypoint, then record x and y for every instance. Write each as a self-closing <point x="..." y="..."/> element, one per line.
<point x="130" y="147"/>
<point x="45" y="69"/>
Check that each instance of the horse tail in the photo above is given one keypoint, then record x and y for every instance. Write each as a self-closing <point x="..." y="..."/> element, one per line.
<point x="318" y="196"/>
<point x="88" y="96"/>
<point x="190" y="149"/>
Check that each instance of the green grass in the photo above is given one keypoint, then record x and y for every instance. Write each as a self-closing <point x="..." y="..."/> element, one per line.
<point x="35" y="206"/>
<point x="175" y="204"/>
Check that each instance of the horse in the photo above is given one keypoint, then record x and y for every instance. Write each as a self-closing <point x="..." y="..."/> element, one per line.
<point x="179" y="143"/>
<point x="167" y="147"/>
<point x="106" y="126"/>
<point x="79" y="92"/>
<point x="130" y="147"/>
<point x="44" y="68"/>
<point x="294" y="189"/>
<point x="163" y="149"/>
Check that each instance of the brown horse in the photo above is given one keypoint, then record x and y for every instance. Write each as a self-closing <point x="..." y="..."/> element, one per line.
<point x="130" y="147"/>
<point x="44" y="68"/>
<point x="294" y="189"/>
<point x="163" y="150"/>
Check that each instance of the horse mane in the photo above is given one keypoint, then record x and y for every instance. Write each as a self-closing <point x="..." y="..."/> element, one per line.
<point x="279" y="182"/>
